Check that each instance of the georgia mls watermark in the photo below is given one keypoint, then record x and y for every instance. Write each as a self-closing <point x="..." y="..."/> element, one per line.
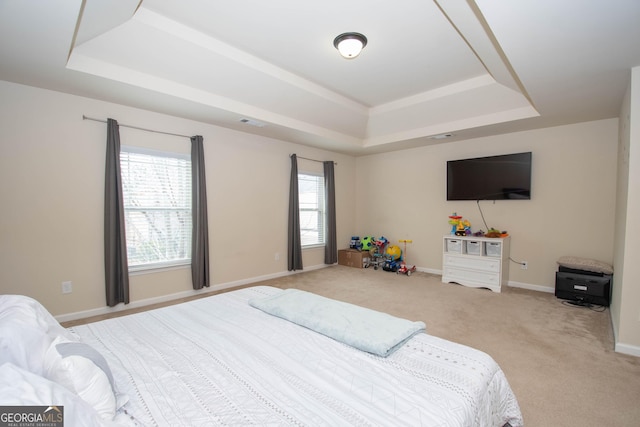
<point x="31" y="416"/>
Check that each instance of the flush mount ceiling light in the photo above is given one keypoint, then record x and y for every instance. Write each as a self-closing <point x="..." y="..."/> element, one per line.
<point x="350" y="44"/>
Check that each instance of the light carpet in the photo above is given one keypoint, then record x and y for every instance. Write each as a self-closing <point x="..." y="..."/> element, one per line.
<point x="559" y="359"/>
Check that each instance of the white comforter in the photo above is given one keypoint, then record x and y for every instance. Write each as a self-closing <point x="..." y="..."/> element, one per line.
<point x="219" y="361"/>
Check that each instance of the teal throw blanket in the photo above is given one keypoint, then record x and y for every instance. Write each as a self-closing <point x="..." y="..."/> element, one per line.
<point x="365" y="329"/>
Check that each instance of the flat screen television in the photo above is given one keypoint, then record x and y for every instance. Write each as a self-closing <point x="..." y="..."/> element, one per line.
<point x="504" y="177"/>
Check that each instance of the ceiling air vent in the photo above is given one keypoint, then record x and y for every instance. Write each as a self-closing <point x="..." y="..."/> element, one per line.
<point x="253" y="123"/>
<point x="441" y="136"/>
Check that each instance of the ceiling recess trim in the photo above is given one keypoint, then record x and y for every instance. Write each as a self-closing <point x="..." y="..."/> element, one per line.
<point x="495" y="97"/>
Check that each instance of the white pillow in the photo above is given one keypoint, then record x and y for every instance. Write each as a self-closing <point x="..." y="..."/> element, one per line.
<point x="26" y="331"/>
<point x="19" y="387"/>
<point x="84" y="371"/>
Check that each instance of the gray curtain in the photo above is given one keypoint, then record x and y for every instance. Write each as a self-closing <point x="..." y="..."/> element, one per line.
<point x="200" y="234"/>
<point x="294" y="255"/>
<point x="331" y="247"/>
<point x="116" y="267"/>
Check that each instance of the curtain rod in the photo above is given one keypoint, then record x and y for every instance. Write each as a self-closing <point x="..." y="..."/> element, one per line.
<point x="136" y="127"/>
<point x="311" y="160"/>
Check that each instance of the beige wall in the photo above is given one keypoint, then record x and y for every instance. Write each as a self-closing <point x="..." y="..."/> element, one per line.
<point x="52" y="167"/>
<point x="52" y="174"/>
<point x="625" y="307"/>
<point x="401" y="195"/>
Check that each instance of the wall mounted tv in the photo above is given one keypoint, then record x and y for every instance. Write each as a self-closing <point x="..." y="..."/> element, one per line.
<point x="490" y="178"/>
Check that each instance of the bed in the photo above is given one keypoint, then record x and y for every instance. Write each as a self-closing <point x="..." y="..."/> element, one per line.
<point x="221" y="361"/>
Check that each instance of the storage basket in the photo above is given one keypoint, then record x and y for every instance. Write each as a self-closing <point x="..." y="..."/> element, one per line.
<point x="454" y="246"/>
<point x="493" y="248"/>
<point x="474" y="247"/>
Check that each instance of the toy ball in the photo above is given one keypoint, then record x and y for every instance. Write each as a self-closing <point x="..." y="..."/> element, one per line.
<point x="367" y="243"/>
<point x="394" y="252"/>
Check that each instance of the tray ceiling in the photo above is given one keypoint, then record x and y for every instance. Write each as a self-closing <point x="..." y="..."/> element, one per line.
<point x="430" y="67"/>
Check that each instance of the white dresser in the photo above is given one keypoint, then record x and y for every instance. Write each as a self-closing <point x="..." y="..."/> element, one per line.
<point x="479" y="262"/>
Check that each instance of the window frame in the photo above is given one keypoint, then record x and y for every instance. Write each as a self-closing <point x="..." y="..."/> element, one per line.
<point x="321" y="209"/>
<point x="155" y="266"/>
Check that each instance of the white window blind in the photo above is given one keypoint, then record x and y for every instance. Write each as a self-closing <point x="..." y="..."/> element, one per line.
<point x="312" y="217"/>
<point x="157" y="205"/>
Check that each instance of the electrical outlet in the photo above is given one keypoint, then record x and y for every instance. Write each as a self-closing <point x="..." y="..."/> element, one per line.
<point x="67" y="287"/>
<point x="524" y="265"/>
<point x="277" y="256"/>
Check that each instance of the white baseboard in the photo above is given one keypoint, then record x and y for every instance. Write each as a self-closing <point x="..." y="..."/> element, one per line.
<point x="618" y="347"/>
<point x="164" y="298"/>
<point x="510" y="283"/>
<point x="429" y="270"/>
<point x="631" y="350"/>
<point x="531" y="287"/>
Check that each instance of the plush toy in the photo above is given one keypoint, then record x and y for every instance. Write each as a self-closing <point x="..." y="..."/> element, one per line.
<point x="493" y="233"/>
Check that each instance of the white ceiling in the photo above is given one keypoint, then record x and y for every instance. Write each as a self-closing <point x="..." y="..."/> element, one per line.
<point x="431" y="67"/>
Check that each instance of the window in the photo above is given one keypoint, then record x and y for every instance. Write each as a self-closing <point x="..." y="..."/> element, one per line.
<point x="312" y="218"/>
<point x="157" y="207"/>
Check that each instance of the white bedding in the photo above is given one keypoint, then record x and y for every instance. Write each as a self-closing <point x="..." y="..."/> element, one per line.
<point x="219" y="361"/>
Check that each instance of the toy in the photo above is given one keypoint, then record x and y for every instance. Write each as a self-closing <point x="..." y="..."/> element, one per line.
<point x="403" y="265"/>
<point x="355" y="243"/>
<point x="377" y="257"/>
<point x="454" y="219"/>
<point x="367" y="243"/>
<point x="391" y="265"/>
<point x="393" y="254"/>
<point x="459" y="227"/>
<point x="463" y="228"/>
<point x="493" y="233"/>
